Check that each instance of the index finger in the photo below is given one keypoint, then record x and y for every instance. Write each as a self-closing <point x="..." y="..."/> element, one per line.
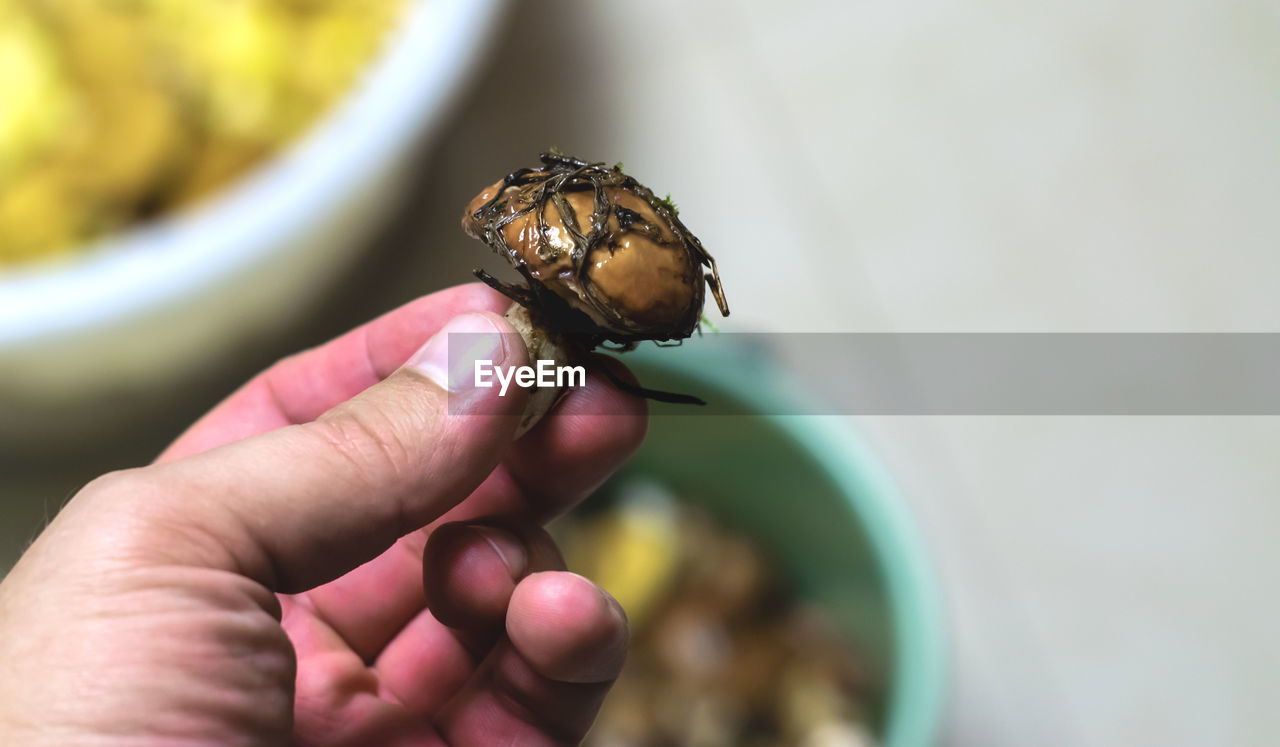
<point x="300" y="388"/>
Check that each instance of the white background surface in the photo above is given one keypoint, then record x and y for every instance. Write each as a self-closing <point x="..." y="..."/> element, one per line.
<point x="942" y="166"/>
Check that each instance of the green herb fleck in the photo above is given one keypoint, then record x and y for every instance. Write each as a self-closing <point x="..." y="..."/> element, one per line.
<point x="707" y="323"/>
<point x="668" y="204"/>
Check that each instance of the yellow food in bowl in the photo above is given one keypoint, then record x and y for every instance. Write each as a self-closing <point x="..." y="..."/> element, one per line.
<point x="722" y="652"/>
<point x="115" y="111"/>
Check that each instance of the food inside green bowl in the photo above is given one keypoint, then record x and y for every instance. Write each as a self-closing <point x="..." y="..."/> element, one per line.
<point x="723" y="652"/>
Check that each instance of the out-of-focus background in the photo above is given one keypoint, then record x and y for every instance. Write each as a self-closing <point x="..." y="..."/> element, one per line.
<point x="933" y="166"/>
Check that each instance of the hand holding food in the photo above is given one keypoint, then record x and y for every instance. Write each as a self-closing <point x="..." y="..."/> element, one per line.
<point x="327" y="557"/>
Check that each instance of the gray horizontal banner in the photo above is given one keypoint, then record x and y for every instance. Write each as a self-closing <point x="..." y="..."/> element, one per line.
<point x="966" y="374"/>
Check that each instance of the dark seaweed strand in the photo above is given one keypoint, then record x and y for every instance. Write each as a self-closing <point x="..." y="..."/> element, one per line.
<point x="561" y="174"/>
<point x="627" y="220"/>
<point x="684" y="236"/>
<point x="575" y="177"/>
<point x="630" y="221"/>
<point x="543" y="188"/>
<point x="537" y="186"/>
<point x="656" y="395"/>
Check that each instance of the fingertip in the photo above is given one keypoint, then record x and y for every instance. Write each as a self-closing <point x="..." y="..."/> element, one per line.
<point x="584" y="439"/>
<point x="618" y="369"/>
<point x="609" y="398"/>
<point x="566" y="642"/>
<point x="601" y="401"/>
<point x="470" y="572"/>
<point x="567" y="628"/>
<point x="478" y="295"/>
<point x="471" y="569"/>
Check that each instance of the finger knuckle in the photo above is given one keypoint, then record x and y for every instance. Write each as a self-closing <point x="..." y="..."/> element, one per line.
<point x="377" y="446"/>
<point x="120" y="489"/>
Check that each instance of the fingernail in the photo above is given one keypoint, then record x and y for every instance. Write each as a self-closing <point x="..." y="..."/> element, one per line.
<point x="507" y="546"/>
<point x="449" y="357"/>
<point x="611" y="602"/>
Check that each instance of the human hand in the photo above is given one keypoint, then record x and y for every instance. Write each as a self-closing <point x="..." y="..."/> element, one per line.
<point x="330" y="556"/>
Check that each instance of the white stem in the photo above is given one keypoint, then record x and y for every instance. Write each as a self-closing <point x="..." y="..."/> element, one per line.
<point x="541" y="345"/>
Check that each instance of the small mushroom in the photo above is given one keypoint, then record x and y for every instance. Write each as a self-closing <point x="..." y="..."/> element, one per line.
<point x="603" y="260"/>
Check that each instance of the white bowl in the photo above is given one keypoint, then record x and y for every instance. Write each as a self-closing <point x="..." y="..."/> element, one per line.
<point x="170" y="295"/>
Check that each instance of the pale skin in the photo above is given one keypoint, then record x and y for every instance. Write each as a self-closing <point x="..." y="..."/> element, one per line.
<point x="331" y="556"/>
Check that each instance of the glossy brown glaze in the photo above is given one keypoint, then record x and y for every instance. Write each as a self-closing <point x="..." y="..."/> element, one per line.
<point x="601" y="243"/>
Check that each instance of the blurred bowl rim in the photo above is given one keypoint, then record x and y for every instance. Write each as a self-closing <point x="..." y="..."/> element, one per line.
<point x="920" y="665"/>
<point x="921" y="660"/>
<point x="405" y="91"/>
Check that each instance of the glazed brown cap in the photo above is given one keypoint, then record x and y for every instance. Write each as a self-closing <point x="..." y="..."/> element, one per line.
<point x="599" y="242"/>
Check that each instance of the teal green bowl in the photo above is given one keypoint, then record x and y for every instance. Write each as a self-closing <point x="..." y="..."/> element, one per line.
<point x="813" y="494"/>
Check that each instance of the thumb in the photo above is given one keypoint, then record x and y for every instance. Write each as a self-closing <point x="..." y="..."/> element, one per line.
<point x="301" y="505"/>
